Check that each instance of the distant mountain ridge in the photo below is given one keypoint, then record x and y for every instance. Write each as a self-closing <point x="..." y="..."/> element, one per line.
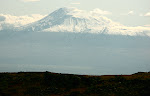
<point x="75" y="20"/>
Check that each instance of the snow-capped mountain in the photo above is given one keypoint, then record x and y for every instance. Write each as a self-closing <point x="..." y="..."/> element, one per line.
<point x="52" y="44"/>
<point x="75" y="20"/>
<point x="71" y="20"/>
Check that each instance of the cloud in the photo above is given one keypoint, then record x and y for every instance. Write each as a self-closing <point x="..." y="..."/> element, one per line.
<point x="20" y="20"/>
<point x="86" y="14"/>
<point x="100" y="12"/>
<point x="132" y="31"/>
<point x="130" y="13"/>
<point x="147" y="25"/>
<point x="147" y="14"/>
<point x="30" y="0"/>
<point x="77" y="3"/>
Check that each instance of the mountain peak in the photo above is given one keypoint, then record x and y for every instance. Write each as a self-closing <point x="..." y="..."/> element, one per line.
<point x="67" y="11"/>
<point x="63" y="10"/>
<point x="70" y="19"/>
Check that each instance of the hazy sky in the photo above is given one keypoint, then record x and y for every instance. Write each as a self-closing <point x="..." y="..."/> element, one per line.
<point x="127" y="12"/>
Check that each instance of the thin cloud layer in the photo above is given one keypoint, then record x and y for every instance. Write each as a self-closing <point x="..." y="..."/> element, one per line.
<point x="130" y="12"/>
<point x="147" y="14"/>
<point x="100" y="12"/>
<point x="19" y="20"/>
<point x="86" y="14"/>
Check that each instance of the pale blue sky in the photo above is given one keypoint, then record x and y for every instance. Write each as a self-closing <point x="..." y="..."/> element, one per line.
<point x="127" y="12"/>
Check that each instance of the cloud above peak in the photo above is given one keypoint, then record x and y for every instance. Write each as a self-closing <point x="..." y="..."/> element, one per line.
<point x="20" y="20"/>
<point x="100" y="12"/>
<point x="85" y="14"/>
<point x="130" y="12"/>
<point x="30" y="0"/>
<point x="147" y="14"/>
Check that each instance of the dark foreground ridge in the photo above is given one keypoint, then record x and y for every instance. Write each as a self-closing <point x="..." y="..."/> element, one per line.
<point x="57" y="84"/>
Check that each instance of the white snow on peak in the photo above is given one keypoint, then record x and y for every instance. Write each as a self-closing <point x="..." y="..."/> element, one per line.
<point x="74" y="12"/>
<point x="75" y="20"/>
<point x="70" y="19"/>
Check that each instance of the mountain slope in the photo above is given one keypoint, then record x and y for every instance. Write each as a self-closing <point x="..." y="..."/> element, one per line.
<point x="75" y="20"/>
<point x="71" y="20"/>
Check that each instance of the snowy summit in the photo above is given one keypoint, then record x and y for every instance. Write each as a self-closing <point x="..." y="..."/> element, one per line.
<point x="75" y="20"/>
